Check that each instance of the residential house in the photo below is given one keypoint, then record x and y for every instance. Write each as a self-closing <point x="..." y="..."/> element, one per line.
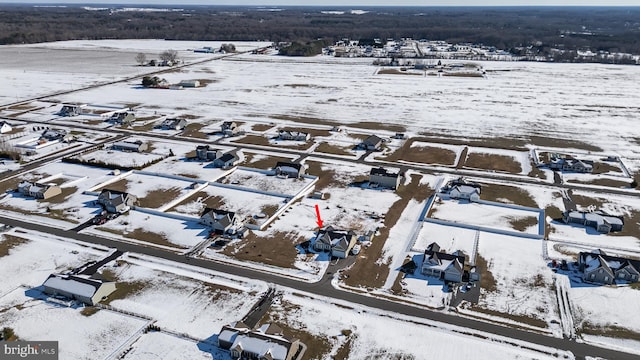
<point x="448" y="267"/>
<point x="293" y="135"/>
<point x="122" y="117"/>
<point x="173" y="124"/>
<point x="381" y="177"/>
<point x="70" y="110"/>
<point x="116" y="201"/>
<point x="338" y="242"/>
<point x="461" y="189"/>
<point x="598" y="267"/>
<point x="571" y="165"/>
<point x="227" y="160"/>
<point x="207" y="153"/>
<point x="5" y="127"/>
<point x="266" y="342"/>
<point x="289" y="170"/>
<point x="220" y="221"/>
<point x="77" y="287"/>
<point x="228" y="128"/>
<point x="372" y="142"/>
<point x="133" y="146"/>
<point x="38" y="190"/>
<point x="55" y="134"/>
<point x="601" y="221"/>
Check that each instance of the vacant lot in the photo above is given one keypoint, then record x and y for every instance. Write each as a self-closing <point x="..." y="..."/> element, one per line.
<point x="507" y="194"/>
<point x="277" y="249"/>
<point x="423" y="154"/>
<point x="333" y="149"/>
<point x="367" y="271"/>
<point x="493" y="162"/>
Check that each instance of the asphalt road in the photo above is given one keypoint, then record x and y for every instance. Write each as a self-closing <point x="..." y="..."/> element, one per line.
<point x="324" y="288"/>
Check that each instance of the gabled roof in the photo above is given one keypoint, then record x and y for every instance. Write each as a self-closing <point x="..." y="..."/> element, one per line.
<point x="380" y="171"/>
<point x="283" y="164"/>
<point x="73" y="284"/>
<point x="372" y="140"/>
<point x="228" y="157"/>
<point x="594" y="261"/>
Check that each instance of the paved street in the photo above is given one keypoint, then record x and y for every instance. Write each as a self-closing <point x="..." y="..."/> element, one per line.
<point x="324" y="288"/>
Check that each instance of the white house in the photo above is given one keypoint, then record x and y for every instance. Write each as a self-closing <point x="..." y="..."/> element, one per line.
<point x="381" y="177"/>
<point x="448" y="267"/>
<point x="5" y="127"/>
<point x="76" y="287"/>
<point x="228" y="160"/>
<point x="265" y="342"/>
<point x="220" y="221"/>
<point x="338" y="242"/>
<point x="287" y="169"/>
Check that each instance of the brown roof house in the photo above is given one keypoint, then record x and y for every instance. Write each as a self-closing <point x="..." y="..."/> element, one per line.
<point x="39" y="191"/>
<point x="448" y="267"/>
<point x="338" y="242"/>
<point x="266" y="342"/>
<point x="116" y="201"/>
<point x="77" y="287"/>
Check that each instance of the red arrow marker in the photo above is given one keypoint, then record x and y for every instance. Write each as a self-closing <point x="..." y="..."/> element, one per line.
<point x="319" y="222"/>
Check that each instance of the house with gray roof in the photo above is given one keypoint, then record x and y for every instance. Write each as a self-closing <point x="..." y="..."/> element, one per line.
<point x="39" y="190"/>
<point x="462" y="189"/>
<point x="227" y="160"/>
<point x="601" y="221"/>
<point x="228" y="128"/>
<point x="78" y="287"/>
<point x="338" y="242"/>
<point x="173" y="124"/>
<point x="288" y="169"/>
<point x="132" y="146"/>
<point x="373" y="143"/>
<point x="598" y="267"/>
<point x="571" y="165"/>
<point x="267" y="341"/>
<point x="293" y="135"/>
<point x="220" y="221"/>
<point x="114" y="201"/>
<point x="448" y="267"/>
<point x="122" y="117"/>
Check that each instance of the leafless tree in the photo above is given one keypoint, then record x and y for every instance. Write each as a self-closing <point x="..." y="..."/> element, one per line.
<point x="141" y="58"/>
<point x="169" y="55"/>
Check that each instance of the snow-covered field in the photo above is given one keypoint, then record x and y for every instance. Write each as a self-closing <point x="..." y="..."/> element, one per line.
<point x="319" y="93"/>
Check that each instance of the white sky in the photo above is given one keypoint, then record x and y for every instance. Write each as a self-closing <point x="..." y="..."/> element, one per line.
<point x="349" y="3"/>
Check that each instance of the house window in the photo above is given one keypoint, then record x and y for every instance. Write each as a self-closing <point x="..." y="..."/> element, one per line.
<point x="606" y="278"/>
<point x="593" y="276"/>
<point x="600" y="271"/>
<point x="621" y="275"/>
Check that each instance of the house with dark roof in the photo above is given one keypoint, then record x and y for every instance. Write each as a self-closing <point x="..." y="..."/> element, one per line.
<point x="132" y="146"/>
<point x="266" y="342"/>
<point x="293" y="135"/>
<point x="207" y="153"/>
<point x="598" y="267"/>
<point x="448" y="267"/>
<point x="114" y="201"/>
<point x="70" y="110"/>
<point x="227" y="160"/>
<point x="288" y="169"/>
<point x="460" y="188"/>
<point x="571" y="165"/>
<point x="228" y="128"/>
<point x="601" y="221"/>
<point x="220" y="221"/>
<point x="338" y="242"/>
<point x="382" y="178"/>
<point x="122" y="117"/>
<point x="55" y="134"/>
<point x="39" y="190"/>
<point x="77" y="287"/>
<point x="173" y="124"/>
<point x="373" y="142"/>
